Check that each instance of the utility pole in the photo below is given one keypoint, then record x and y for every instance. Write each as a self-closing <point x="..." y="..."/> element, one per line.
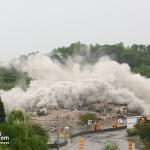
<point x="57" y="134"/>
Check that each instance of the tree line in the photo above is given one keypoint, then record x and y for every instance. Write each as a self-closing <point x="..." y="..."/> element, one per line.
<point x="10" y="77"/>
<point x="136" y="56"/>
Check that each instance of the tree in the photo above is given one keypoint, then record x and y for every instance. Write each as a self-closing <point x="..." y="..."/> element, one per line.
<point x="143" y="70"/>
<point x="144" y="133"/>
<point x="23" y="135"/>
<point x="137" y="56"/>
<point x="16" y="116"/>
<point x="10" y="76"/>
<point x="131" y="132"/>
<point x="2" y="112"/>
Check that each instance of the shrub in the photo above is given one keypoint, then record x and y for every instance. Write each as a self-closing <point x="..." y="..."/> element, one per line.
<point x="111" y="146"/>
<point x="23" y="135"/>
<point x="131" y="132"/>
<point x="144" y="133"/>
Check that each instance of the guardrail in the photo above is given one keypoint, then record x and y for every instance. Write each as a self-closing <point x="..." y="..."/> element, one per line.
<point x="98" y="131"/>
<point x="61" y="144"/>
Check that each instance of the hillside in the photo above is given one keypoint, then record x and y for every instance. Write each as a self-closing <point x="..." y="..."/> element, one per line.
<point x="137" y="56"/>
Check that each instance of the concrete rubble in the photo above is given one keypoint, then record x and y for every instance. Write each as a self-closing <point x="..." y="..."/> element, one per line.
<point x="70" y="118"/>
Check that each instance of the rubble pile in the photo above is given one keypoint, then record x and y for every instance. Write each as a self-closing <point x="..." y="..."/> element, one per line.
<point x="65" y="118"/>
<point x="46" y="116"/>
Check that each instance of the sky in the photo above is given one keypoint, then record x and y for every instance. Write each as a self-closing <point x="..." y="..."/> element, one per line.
<point x="31" y="25"/>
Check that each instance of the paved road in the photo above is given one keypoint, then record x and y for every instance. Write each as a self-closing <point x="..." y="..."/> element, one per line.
<point x="97" y="141"/>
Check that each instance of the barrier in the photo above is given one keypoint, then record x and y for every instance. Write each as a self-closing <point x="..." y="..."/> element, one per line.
<point x="129" y="145"/>
<point x="61" y="144"/>
<point x="98" y="131"/>
<point x="81" y="143"/>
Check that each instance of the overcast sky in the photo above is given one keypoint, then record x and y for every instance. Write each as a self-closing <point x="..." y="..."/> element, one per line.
<point x="30" y="25"/>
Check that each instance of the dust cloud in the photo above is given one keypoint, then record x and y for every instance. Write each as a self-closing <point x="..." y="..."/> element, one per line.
<point x="74" y="84"/>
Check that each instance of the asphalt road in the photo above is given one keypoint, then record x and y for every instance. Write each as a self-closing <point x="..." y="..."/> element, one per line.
<point x="97" y="141"/>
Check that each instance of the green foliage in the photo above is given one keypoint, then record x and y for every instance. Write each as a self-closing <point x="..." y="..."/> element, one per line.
<point x="37" y="129"/>
<point x="22" y="134"/>
<point x="16" y="116"/>
<point x="9" y="77"/>
<point x="111" y="146"/>
<point x="2" y="112"/>
<point x="4" y="147"/>
<point x="143" y="70"/>
<point x="137" y="56"/>
<point x="30" y="143"/>
<point x="88" y="116"/>
<point x="131" y="132"/>
<point x="144" y="133"/>
<point x="64" y="52"/>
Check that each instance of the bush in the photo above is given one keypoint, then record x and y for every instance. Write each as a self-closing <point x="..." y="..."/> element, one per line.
<point x="131" y="132"/>
<point x="16" y="116"/>
<point x="22" y="134"/>
<point x="4" y="147"/>
<point x="111" y="146"/>
<point x="144" y="133"/>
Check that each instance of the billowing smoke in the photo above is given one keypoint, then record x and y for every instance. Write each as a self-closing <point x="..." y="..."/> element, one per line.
<point x="75" y="84"/>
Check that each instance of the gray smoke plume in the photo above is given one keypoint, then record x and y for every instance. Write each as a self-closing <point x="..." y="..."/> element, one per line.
<point x="73" y="84"/>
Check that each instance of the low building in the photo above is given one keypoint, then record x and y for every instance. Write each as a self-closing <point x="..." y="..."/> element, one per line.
<point x="132" y="121"/>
